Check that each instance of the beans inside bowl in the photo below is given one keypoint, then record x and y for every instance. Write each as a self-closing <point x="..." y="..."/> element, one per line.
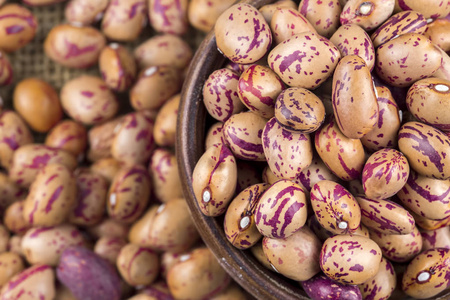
<point x="309" y="154"/>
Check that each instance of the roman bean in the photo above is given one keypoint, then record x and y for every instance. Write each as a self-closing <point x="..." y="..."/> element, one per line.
<point x="14" y="220"/>
<point x="287" y="22"/>
<point x="9" y="191"/>
<point x="163" y="169"/>
<point x="109" y="227"/>
<point x="381" y="286"/>
<point x="117" y="67"/>
<point x="367" y="14"/>
<point x="203" y="14"/>
<point x="10" y="265"/>
<point x="317" y="171"/>
<point x="438" y="238"/>
<point x="164" y="130"/>
<point x="350" y="259"/>
<point x="139" y="231"/>
<point x="269" y="9"/>
<point x="108" y="248"/>
<point x="430" y="9"/>
<point x="68" y="135"/>
<point x="214" y="135"/>
<point x="138" y="265"/>
<point x="323" y="15"/>
<point x="167" y="16"/>
<point x="85" y="12"/>
<point x="322" y="287"/>
<point x="74" y="47"/>
<point x="124" y="20"/>
<point x="107" y="168"/>
<point x="100" y="139"/>
<point x="18" y="27"/>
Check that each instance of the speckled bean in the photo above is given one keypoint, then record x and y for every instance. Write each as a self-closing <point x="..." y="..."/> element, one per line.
<point x="398" y="247"/>
<point x="239" y="223"/>
<point x="214" y="135"/>
<point x="165" y="127"/>
<point x="305" y="60"/>
<point x="138" y="265"/>
<point x="323" y="15"/>
<point x="438" y="238"/>
<point x="10" y="264"/>
<point x="350" y="259"/>
<point x="242" y="34"/>
<point x="296" y="256"/>
<point x="9" y="191"/>
<point x="44" y="245"/>
<point x="18" y="27"/>
<point x="163" y="169"/>
<point x="385" y="216"/>
<point x="287" y="22"/>
<point x="321" y="287"/>
<point x="269" y="9"/>
<point x="29" y="159"/>
<point x="109" y="247"/>
<point x="139" y="231"/>
<point x="381" y="286"/>
<point x="14" y="219"/>
<point x="168" y="16"/>
<point x="68" y="135"/>
<point x="74" y="47"/>
<point x="128" y="194"/>
<point x="124" y="20"/>
<point x="85" y="12"/>
<point x="100" y="138"/>
<point x="203" y="14"/>
<point x="367" y="14"/>
<point x="343" y="156"/>
<point x="117" y="67"/>
<point x="107" y="168"/>
<point x="316" y="172"/>
<point x="430" y="9"/>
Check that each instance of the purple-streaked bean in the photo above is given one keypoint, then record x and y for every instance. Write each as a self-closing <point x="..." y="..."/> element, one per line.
<point x="352" y="80"/>
<point x="85" y="12"/>
<point x="164" y="130"/>
<point x="108" y="248"/>
<point x="343" y="156"/>
<point x="4" y="237"/>
<point x="352" y="39"/>
<point x="91" y="199"/>
<point x="107" y="168"/>
<point x="220" y="94"/>
<point x="18" y="27"/>
<point x="52" y="196"/>
<point x="427" y="197"/>
<point x="287" y="153"/>
<point x="124" y="20"/>
<point x="321" y="287"/>
<point x="298" y="109"/>
<point x="429" y="224"/>
<point x="381" y="286"/>
<point x="209" y="281"/>
<point x="258" y="89"/>
<point x="243" y="134"/>
<point x="163" y="169"/>
<point x="398" y="247"/>
<point x="74" y="47"/>
<point x="36" y="282"/>
<point x="367" y="14"/>
<point x="11" y="264"/>
<point x="9" y="192"/>
<point x="296" y="256"/>
<point x="318" y="230"/>
<point x="437" y="32"/>
<point x="406" y="59"/>
<point x="433" y="93"/>
<point x="335" y="208"/>
<point x="172" y="228"/>
<point x="87" y="99"/>
<point x="168" y="260"/>
<point x="350" y="259"/>
<point x="258" y="253"/>
<point x="239" y="223"/>
<point x="68" y="135"/>
<point x="87" y="275"/>
<point x="430" y="9"/>
<point x="38" y="104"/>
<point x="44" y="245"/>
<point x="384" y="134"/>
<point x="168" y="16"/>
<point x="139" y="231"/>
<point x="305" y="60"/>
<point x="426" y="148"/>
<point x="154" y="86"/>
<point x="247" y="175"/>
<point x="203" y="14"/>
<point x="29" y="159"/>
<point x="269" y="9"/>
<point x="215" y="180"/>
<point x="100" y="138"/>
<point x="444" y="70"/>
<point x="317" y="171"/>
<point x="128" y="194"/>
<point x="427" y="274"/>
<point x="385" y="216"/>
<point x="138" y="265"/>
<point x="398" y="24"/>
<point x="163" y="50"/>
<point x="13" y="134"/>
<point x="14" y="220"/>
<point x="133" y="139"/>
<point x="117" y="67"/>
<point x="242" y="34"/>
<point x="323" y="15"/>
<point x="438" y="238"/>
<point x="287" y="22"/>
<point x="385" y="173"/>
<point x="6" y="71"/>
<point x="281" y="210"/>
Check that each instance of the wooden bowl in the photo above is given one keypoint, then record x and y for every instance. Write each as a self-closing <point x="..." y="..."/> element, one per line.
<point x="241" y="265"/>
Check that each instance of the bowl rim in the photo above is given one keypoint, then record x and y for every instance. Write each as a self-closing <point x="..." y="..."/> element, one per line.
<point x="240" y="265"/>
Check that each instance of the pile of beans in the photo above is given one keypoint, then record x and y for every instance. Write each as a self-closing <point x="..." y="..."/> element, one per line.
<point x="94" y="210"/>
<point x="329" y="156"/>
